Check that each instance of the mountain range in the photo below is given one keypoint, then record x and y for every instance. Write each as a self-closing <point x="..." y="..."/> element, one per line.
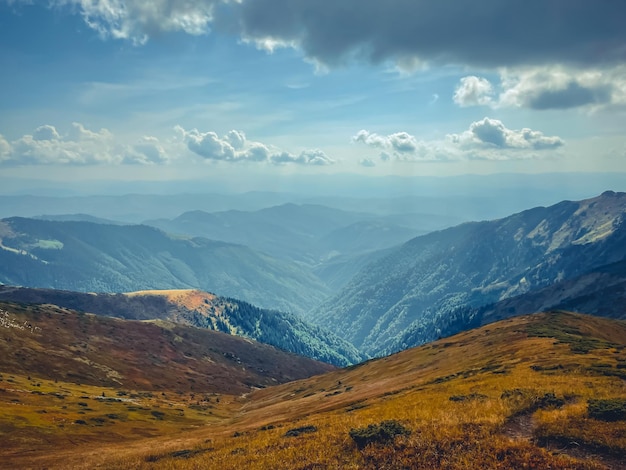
<point x="92" y="257"/>
<point x="566" y="255"/>
<point x="428" y="286"/>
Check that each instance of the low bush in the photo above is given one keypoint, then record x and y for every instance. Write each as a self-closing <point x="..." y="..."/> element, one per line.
<point x="607" y="410"/>
<point x="384" y="432"/>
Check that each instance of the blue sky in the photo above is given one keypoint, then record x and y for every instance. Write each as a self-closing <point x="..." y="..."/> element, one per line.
<point x="185" y="89"/>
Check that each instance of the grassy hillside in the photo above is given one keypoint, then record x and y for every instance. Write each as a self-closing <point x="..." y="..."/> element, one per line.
<point x="55" y="343"/>
<point x="204" y="310"/>
<point x="541" y="391"/>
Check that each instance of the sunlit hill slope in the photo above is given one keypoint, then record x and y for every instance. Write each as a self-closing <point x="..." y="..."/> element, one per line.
<point x="541" y="391"/>
<point x="204" y="310"/>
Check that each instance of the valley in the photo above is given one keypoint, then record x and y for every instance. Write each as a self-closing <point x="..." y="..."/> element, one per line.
<point x="459" y="348"/>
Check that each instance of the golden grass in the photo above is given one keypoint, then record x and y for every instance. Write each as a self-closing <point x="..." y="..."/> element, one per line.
<point x="460" y="397"/>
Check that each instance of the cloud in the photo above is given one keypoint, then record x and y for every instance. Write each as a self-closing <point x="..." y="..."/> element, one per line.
<point x="473" y="91"/>
<point x="487" y="33"/>
<point x="138" y="20"/>
<point x="401" y="146"/>
<point x="80" y="146"/>
<point x="209" y="145"/>
<point x="234" y="147"/>
<point x="493" y="134"/>
<point x="367" y="162"/>
<point x="46" y="132"/>
<point x="307" y="157"/>
<point x="491" y="33"/>
<point x="147" y="150"/>
<point x="401" y="142"/>
<point x="487" y="139"/>
<point x="562" y="88"/>
<point x="542" y="88"/>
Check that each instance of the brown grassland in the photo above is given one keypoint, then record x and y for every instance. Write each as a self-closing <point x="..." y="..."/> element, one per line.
<point x="510" y="395"/>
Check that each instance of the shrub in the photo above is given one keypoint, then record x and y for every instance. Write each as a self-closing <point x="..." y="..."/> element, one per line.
<point x="297" y="431"/>
<point x="384" y="432"/>
<point x="607" y="410"/>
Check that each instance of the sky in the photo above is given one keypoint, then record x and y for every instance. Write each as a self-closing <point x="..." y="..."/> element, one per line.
<point x="257" y="90"/>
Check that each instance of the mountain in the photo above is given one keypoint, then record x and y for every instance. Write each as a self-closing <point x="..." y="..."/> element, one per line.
<point x="204" y="310"/>
<point x="91" y="257"/>
<point x="536" y="391"/>
<point x="602" y="291"/>
<point x="60" y="344"/>
<point x="78" y="218"/>
<point x="426" y="284"/>
<point x="306" y="233"/>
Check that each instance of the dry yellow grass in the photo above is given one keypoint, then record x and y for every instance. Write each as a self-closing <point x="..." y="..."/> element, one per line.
<point x="482" y="399"/>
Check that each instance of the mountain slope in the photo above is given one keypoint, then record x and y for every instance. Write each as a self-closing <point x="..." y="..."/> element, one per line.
<point x="519" y="393"/>
<point x="85" y="256"/>
<point x="599" y="292"/>
<point x="428" y="279"/>
<point x="59" y="344"/>
<point x="201" y="309"/>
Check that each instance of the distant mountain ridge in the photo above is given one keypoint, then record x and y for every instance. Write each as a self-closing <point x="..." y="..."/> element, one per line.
<point x="429" y="281"/>
<point x="312" y="235"/>
<point x="84" y="256"/>
<point x="203" y="310"/>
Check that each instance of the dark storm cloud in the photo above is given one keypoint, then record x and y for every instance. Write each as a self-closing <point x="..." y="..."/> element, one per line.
<point x="485" y="32"/>
<point x="571" y="96"/>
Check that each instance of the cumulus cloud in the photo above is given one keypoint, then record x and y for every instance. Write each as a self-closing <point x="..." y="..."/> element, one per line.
<point x="542" y="88"/>
<point x="473" y="91"/>
<point x="80" y="146"/>
<point x="493" y="134"/>
<point x="562" y="88"/>
<point x="306" y="157"/>
<point x="138" y="20"/>
<point x="401" y="142"/>
<point x="487" y="139"/>
<point x="367" y="162"/>
<point x="46" y="132"/>
<point x="408" y="32"/>
<point x="234" y="147"/>
<point x="401" y="146"/>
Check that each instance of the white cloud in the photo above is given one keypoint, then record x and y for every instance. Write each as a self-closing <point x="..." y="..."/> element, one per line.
<point x="549" y="87"/>
<point x="401" y="145"/>
<point x="138" y="20"/>
<point x="307" y="157"/>
<point x="473" y="91"/>
<point x="401" y="142"/>
<point x="148" y="150"/>
<point x="80" y="146"/>
<point x="5" y="149"/>
<point x="46" y="132"/>
<point x="234" y="147"/>
<point x="236" y="138"/>
<point x="367" y="162"/>
<point x="562" y="88"/>
<point x="208" y="145"/>
<point x="487" y="139"/>
<point x="493" y="134"/>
